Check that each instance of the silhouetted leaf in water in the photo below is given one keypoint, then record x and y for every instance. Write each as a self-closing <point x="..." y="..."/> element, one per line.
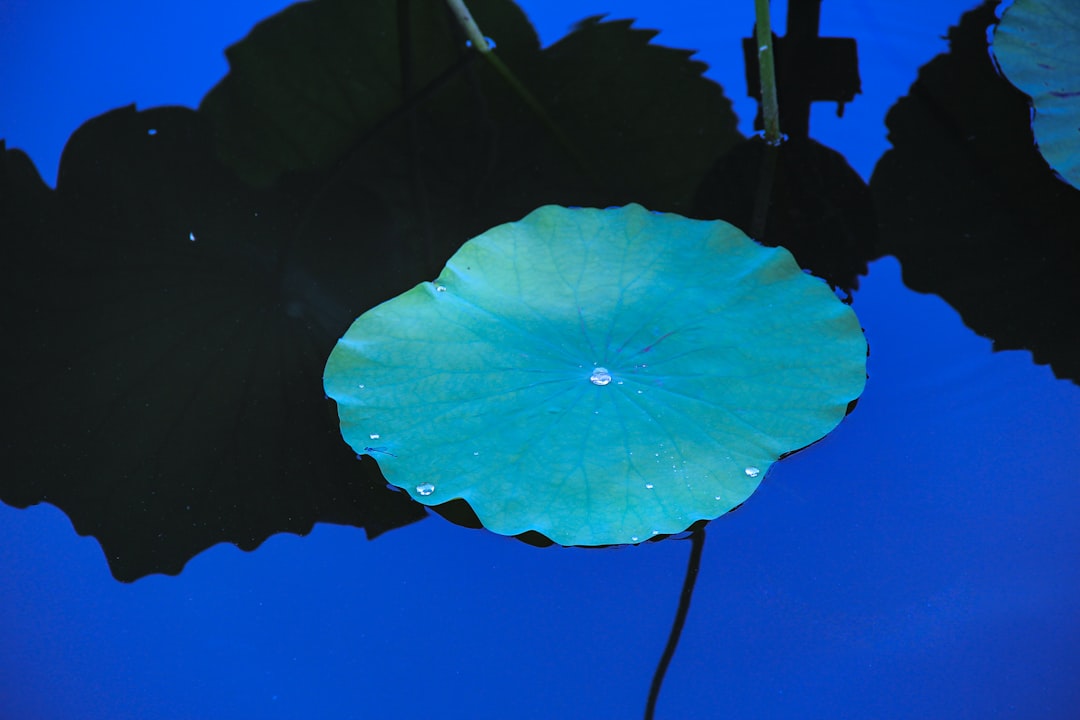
<point x="599" y="377"/>
<point x="170" y="346"/>
<point x="972" y="211"/>
<point x="819" y="208"/>
<point x="173" y="319"/>
<point x="1036" y="46"/>
<point x="310" y="82"/>
<point x="649" y="124"/>
<point x="324" y="83"/>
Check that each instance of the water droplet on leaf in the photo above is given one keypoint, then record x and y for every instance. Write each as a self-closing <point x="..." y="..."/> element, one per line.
<point x="600" y="376"/>
<point x="425" y="489"/>
<point x="752" y="471"/>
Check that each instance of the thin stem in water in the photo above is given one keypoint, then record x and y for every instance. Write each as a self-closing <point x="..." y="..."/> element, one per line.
<point x="477" y="39"/>
<point x="697" y="540"/>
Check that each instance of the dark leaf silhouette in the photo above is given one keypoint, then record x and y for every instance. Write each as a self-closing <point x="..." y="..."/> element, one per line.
<point x="818" y="207"/>
<point x="971" y="209"/>
<point x="172" y="352"/>
<point x="441" y="128"/>
<point x="172" y="316"/>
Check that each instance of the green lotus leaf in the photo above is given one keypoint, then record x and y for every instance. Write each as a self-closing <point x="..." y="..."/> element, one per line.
<point x="1035" y="45"/>
<point x="598" y="376"/>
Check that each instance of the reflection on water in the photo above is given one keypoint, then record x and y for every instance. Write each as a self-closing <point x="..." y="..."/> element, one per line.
<point x="917" y="563"/>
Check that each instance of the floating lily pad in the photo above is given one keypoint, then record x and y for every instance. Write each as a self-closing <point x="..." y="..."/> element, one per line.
<point x="1035" y="45"/>
<point x="598" y="376"/>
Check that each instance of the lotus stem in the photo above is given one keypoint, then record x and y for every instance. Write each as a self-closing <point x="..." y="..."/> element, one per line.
<point x="472" y="30"/>
<point x="770" y="108"/>
<point x="477" y="39"/>
<point x="693" y="564"/>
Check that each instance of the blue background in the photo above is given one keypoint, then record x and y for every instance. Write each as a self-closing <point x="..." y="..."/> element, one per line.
<point x="921" y="562"/>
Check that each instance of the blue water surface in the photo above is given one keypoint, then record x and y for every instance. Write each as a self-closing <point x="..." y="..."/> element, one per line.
<point x="923" y="561"/>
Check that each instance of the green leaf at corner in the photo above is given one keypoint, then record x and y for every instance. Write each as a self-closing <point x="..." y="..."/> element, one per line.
<point x="1036" y="47"/>
<point x="598" y="376"/>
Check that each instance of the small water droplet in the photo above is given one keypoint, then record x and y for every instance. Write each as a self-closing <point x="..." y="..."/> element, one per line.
<point x="191" y="236"/>
<point x="374" y="436"/>
<point x="639" y="392"/>
<point x="425" y="489"/>
<point x="648" y="486"/>
<point x="360" y="386"/>
<point x="600" y="376"/>
<point x="752" y="471"/>
<point x="655" y="532"/>
<point x="476" y="452"/>
<point x="440" y="288"/>
<point x="633" y="538"/>
<point x="489" y="41"/>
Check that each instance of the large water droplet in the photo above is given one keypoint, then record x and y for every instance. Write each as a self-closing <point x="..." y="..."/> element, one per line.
<point x="425" y="489"/>
<point x="600" y="376"/>
<point x="752" y="471"/>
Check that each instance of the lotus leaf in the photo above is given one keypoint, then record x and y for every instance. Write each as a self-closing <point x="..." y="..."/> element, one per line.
<point x="598" y="376"/>
<point x="1035" y="45"/>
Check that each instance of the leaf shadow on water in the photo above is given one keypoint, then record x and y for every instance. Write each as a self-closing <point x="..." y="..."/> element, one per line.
<point x="178" y="292"/>
<point x="174" y="317"/>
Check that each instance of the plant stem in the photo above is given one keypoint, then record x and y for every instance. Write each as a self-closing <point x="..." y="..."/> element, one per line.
<point x="697" y="539"/>
<point x="476" y="37"/>
<point x="770" y="109"/>
<point x="472" y="30"/>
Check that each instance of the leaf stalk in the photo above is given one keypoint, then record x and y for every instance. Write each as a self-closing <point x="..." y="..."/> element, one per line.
<point x="770" y="108"/>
